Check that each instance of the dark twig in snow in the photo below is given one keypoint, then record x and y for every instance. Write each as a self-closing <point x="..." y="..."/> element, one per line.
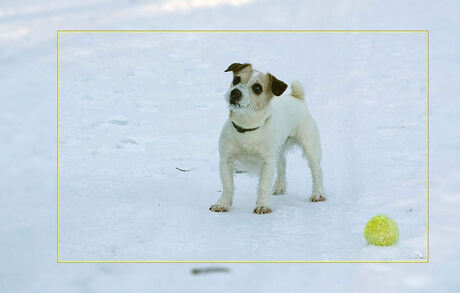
<point x="197" y="271"/>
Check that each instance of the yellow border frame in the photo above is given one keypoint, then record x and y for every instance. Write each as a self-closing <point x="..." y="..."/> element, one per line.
<point x="261" y="31"/>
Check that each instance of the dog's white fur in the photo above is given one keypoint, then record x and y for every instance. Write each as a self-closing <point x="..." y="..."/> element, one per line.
<point x="283" y="121"/>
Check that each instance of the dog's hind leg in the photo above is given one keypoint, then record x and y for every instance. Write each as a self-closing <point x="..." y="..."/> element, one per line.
<point x="280" y="185"/>
<point x="307" y="136"/>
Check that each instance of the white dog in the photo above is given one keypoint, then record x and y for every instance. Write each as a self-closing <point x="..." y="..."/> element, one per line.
<point x="259" y="131"/>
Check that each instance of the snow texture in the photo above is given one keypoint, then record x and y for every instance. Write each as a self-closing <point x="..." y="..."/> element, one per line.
<point x="135" y="108"/>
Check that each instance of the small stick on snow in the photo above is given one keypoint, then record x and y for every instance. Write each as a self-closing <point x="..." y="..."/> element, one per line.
<point x="197" y="271"/>
<point x="183" y="170"/>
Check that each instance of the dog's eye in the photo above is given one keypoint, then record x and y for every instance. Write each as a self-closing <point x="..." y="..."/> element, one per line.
<point x="257" y="88"/>
<point x="236" y="80"/>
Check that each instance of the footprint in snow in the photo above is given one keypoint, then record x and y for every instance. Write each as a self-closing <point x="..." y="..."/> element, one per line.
<point x="129" y="145"/>
<point x="129" y="141"/>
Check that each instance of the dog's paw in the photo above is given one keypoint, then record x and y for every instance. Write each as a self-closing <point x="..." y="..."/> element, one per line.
<point x="218" y="208"/>
<point x="262" y="210"/>
<point x="317" y="197"/>
<point x="279" y="188"/>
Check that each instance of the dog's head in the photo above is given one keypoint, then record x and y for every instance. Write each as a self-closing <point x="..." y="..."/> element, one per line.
<point x="251" y="89"/>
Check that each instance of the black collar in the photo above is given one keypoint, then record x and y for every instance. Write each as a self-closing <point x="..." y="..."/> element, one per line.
<point x="241" y="129"/>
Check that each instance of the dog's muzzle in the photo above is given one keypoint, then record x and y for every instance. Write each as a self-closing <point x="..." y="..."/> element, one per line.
<point x="235" y="96"/>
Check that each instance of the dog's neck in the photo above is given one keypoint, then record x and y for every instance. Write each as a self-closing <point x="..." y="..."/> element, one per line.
<point x="255" y="120"/>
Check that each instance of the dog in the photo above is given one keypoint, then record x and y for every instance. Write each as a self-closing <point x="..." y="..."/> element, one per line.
<point x="262" y="125"/>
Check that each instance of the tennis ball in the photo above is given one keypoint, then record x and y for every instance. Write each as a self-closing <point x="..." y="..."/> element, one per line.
<point x="381" y="231"/>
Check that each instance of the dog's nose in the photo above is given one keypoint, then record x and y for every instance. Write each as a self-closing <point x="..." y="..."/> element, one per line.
<point x="235" y="96"/>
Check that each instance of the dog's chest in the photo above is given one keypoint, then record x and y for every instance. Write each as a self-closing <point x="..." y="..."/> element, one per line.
<point x="251" y="149"/>
<point x="252" y="141"/>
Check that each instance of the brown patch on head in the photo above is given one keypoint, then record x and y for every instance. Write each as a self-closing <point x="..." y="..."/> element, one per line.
<point x="262" y="99"/>
<point x="243" y="71"/>
<point x="271" y="86"/>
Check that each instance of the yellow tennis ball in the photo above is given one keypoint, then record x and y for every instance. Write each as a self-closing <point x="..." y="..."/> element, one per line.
<point x="381" y="231"/>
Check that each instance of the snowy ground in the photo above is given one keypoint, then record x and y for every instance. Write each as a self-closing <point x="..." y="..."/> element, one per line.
<point x="135" y="107"/>
<point x="119" y="186"/>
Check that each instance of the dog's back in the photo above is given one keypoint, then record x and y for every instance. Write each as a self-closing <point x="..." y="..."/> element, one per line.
<point x="290" y="110"/>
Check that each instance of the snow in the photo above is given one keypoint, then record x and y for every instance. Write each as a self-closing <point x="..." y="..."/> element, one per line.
<point x="133" y="107"/>
<point x="130" y="117"/>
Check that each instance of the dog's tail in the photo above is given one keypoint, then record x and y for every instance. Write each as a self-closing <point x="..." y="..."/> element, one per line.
<point x="297" y="90"/>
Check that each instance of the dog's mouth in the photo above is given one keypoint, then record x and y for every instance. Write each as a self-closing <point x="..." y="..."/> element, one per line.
<point x="238" y="106"/>
<point x="234" y="107"/>
<point x="235" y="104"/>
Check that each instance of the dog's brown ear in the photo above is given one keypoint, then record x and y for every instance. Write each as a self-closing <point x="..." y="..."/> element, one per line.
<point x="236" y="67"/>
<point x="278" y="87"/>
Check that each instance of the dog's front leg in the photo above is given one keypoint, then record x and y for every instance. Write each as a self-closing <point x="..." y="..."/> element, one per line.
<point x="226" y="175"/>
<point x="267" y="173"/>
